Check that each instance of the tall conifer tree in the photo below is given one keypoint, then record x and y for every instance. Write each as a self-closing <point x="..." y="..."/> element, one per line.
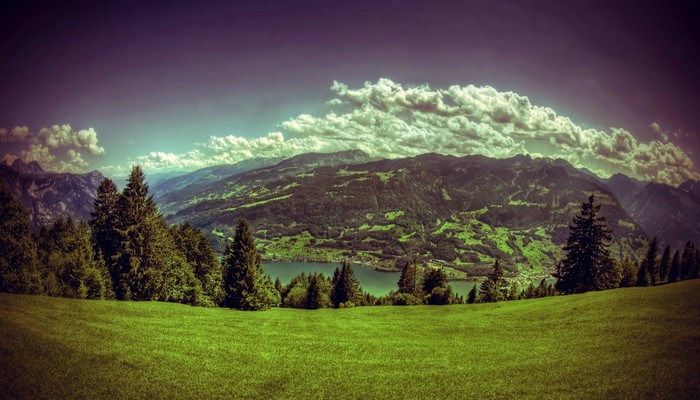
<point x="494" y="287"/>
<point x="150" y="265"/>
<point x="103" y="225"/>
<point x="674" y="272"/>
<point x="647" y="268"/>
<point x="407" y="281"/>
<point x="346" y="287"/>
<point x="587" y="265"/>
<point x="313" y="293"/>
<point x="246" y="286"/>
<point x="471" y="297"/>
<point x="19" y="266"/>
<point x="665" y="263"/>
<point x="643" y="278"/>
<point x="199" y="253"/>
<point x="688" y="261"/>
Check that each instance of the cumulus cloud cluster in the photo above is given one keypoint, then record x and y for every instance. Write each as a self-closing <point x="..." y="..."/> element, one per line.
<point x="57" y="148"/>
<point x="232" y="149"/>
<point x="389" y="119"/>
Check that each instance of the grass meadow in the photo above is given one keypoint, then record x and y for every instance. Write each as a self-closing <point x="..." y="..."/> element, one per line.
<point x="624" y="343"/>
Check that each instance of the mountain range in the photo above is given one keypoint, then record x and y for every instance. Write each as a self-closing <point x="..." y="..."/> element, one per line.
<point x="458" y="212"/>
<point x="670" y="214"/>
<point x="48" y="196"/>
<point x="461" y="213"/>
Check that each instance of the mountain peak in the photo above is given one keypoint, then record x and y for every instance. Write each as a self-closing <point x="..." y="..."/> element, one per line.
<point x="20" y="166"/>
<point x="340" y="157"/>
<point x="35" y="167"/>
<point x="23" y="168"/>
<point x="522" y="158"/>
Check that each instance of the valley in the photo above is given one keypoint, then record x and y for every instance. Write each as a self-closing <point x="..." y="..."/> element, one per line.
<point x="459" y="213"/>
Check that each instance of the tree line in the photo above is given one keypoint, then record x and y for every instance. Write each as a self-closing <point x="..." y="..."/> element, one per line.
<point x="128" y="252"/>
<point x="588" y="265"/>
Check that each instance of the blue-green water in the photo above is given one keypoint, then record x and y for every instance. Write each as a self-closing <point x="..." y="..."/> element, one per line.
<point x="375" y="282"/>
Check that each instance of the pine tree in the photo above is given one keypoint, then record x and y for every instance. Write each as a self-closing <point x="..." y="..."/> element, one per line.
<point x="246" y="286"/>
<point x="435" y="285"/>
<point x="688" y="261"/>
<point x="647" y="269"/>
<point x="19" y="265"/>
<point x="665" y="263"/>
<point x="104" y="224"/>
<point x="313" y="293"/>
<point x="542" y="290"/>
<point x="346" y="287"/>
<point x="434" y="278"/>
<point x="530" y="291"/>
<point x="643" y="278"/>
<point x="150" y="265"/>
<point x="278" y="286"/>
<point x="471" y="297"/>
<point x="494" y="287"/>
<point x="587" y="265"/>
<point x="407" y="281"/>
<point x="136" y="214"/>
<point x="200" y="255"/>
<point x="674" y="272"/>
<point x="72" y="268"/>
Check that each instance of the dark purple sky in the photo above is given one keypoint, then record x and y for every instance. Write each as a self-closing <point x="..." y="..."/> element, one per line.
<point x="142" y="72"/>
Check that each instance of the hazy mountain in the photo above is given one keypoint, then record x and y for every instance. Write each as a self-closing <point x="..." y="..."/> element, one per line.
<point x="210" y="181"/>
<point x="23" y="168"/>
<point x="208" y="175"/>
<point x="671" y="214"/>
<point x="153" y="179"/>
<point x="462" y="212"/>
<point x="625" y="188"/>
<point x="48" y="196"/>
<point x="311" y="160"/>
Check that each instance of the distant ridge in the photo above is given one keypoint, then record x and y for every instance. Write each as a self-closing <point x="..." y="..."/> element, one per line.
<point x="210" y="174"/>
<point x="670" y="214"/>
<point x="48" y="196"/>
<point x="23" y="168"/>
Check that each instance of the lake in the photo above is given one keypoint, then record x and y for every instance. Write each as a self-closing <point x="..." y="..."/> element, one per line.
<point x="375" y="282"/>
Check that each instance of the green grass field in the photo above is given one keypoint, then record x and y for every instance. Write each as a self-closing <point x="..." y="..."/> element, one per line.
<point x="625" y="343"/>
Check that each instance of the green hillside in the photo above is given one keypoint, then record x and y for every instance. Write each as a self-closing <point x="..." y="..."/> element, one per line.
<point x="624" y="343"/>
<point x="459" y="213"/>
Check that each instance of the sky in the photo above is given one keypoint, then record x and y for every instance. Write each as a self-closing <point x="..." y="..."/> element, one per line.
<point x="607" y="85"/>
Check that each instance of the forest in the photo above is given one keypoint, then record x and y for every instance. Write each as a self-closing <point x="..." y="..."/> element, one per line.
<point x="126" y="251"/>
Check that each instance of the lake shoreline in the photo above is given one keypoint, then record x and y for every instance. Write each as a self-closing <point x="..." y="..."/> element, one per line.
<point x="375" y="282"/>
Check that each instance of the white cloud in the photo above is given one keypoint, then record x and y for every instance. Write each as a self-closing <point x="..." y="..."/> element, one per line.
<point x="37" y="152"/>
<point x="58" y="136"/>
<point x="228" y="150"/>
<point x="8" y="159"/>
<point x="16" y="134"/>
<point x="115" y="170"/>
<point x="56" y="148"/>
<point x="388" y="119"/>
<point x="664" y="135"/>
